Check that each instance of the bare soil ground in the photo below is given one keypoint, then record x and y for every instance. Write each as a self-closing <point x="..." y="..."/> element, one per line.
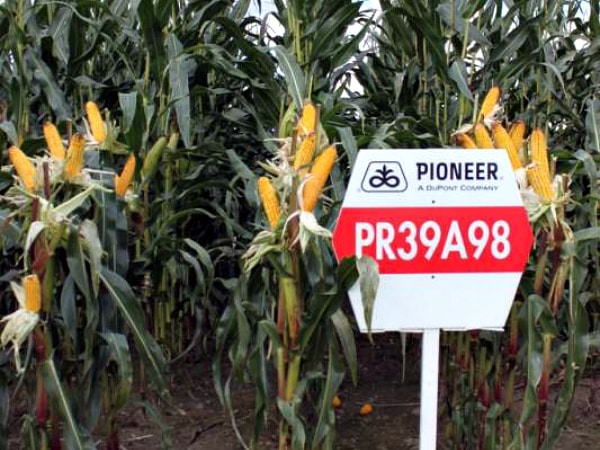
<point x="197" y="421"/>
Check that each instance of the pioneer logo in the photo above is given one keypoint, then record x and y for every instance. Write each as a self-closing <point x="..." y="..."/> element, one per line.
<point x="384" y="176"/>
<point x="461" y="171"/>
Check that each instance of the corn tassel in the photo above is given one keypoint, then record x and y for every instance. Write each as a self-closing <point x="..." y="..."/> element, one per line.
<point x="517" y="134"/>
<point x="74" y="156"/>
<point x="540" y="182"/>
<point x="502" y="140"/>
<point x="24" y="168"/>
<point x="123" y="181"/>
<point x="305" y="152"/>
<point x="482" y="137"/>
<point x="308" y="121"/>
<point x="33" y="293"/>
<point x="318" y="177"/>
<point x="97" y="125"/>
<point x="465" y="141"/>
<point x="489" y="102"/>
<point x="270" y="202"/>
<point x="539" y="151"/>
<point x="53" y="141"/>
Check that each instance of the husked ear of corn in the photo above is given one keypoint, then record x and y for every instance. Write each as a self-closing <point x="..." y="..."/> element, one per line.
<point x="517" y="134"/>
<point x="305" y="153"/>
<point x="269" y="200"/>
<point x="24" y="168"/>
<point x="540" y="181"/>
<point x="123" y="181"/>
<point x="153" y="158"/>
<point x="308" y="121"/>
<point x="465" y="141"/>
<point x="75" y="156"/>
<point x="33" y="293"/>
<point x="53" y="141"/>
<point x="539" y="151"/>
<point x="318" y="177"/>
<point x="489" y="102"/>
<point x="482" y="137"/>
<point x="97" y="125"/>
<point x="502" y="140"/>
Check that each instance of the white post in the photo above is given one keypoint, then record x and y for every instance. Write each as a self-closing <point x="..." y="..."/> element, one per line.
<point x="430" y="360"/>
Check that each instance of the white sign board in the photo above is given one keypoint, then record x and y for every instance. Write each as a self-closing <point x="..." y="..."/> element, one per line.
<point x="448" y="231"/>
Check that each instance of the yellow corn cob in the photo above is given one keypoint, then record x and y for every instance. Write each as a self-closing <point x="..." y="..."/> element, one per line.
<point x="490" y="100"/>
<point x="539" y="151"/>
<point x="24" y="167"/>
<point x="502" y="140"/>
<point x="53" y="141"/>
<point x="33" y="293"/>
<point x="97" y="125"/>
<point x="482" y="137"/>
<point x="540" y="181"/>
<point x="74" y="156"/>
<point x="517" y="134"/>
<point x="123" y="181"/>
<point x="318" y="177"/>
<point x="465" y="141"/>
<point x="305" y="152"/>
<point x="308" y="121"/>
<point x="270" y="202"/>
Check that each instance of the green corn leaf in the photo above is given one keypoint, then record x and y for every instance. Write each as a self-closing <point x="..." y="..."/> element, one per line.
<point x="53" y="93"/>
<point x="239" y="166"/>
<point x="180" y="69"/>
<point x="74" y="436"/>
<point x="458" y="73"/>
<point x="325" y="428"/>
<point x="577" y="355"/>
<point x="68" y="309"/>
<point x="130" y="309"/>
<point x="456" y="19"/>
<point x="128" y="104"/>
<point x="59" y="30"/>
<point x="270" y="330"/>
<point x="32" y="233"/>
<point x="77" y="264"/>
<point x="592" y="125"/>
<point x="94" y="252"/>
<point x="204" y="258"/>
<point x="10" y="130"/>
<point x="200" y="279"/>
<point x="349" y="143"/>
<point x="121" y="355"/>
<point x="368" y="278"/>
<point x="156" y="417"/>
<point x="345" y="334"/>
<point x="329" y="33"/>
<point x="511" y="44"/>
<point x="288" y="411"/>
<point x="63" y="210"/>
<point x="293" y="75"/>
<point x="587" y="234"/>
<point x="153" y="37"/>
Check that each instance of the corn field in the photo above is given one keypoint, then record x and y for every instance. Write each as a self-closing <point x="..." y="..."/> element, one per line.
<point x="171" y="172"/>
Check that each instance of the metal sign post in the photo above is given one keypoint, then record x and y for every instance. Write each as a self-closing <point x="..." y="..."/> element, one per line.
<point x="430" y="361"/>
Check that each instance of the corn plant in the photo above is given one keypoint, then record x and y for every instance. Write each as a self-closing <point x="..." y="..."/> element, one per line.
<point x="286" y="309"/>
<point x="68" y="334"/>
<point x="545" y="197"/>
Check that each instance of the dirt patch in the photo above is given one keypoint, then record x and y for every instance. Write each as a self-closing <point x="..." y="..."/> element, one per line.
<point x="197" y="421"/>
